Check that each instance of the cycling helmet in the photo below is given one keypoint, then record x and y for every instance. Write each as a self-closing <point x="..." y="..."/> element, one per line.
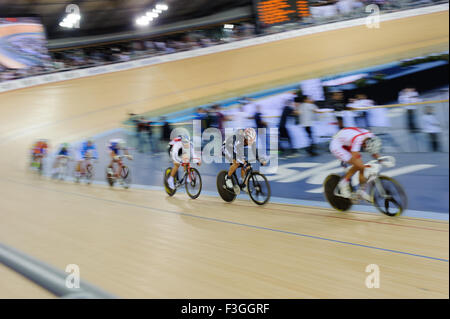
<point x="372" y="145"/>
<point x="65" y="145"/>
<point x="184" y="139"/>
<point x="250" y="135"/>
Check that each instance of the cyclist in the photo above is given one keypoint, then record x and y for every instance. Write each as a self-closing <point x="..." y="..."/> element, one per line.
<point x="233" y="150"/>
<point x="63" y="152"/>
<point x="116" y="146"/>
<point x="38" y="152"/>
<point x="87" y="149"/>
<point x="346" y="146"/>
<point x="181" y="151"/>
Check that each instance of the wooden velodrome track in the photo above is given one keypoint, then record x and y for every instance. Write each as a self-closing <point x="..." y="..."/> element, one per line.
<point x="142" y="244"/>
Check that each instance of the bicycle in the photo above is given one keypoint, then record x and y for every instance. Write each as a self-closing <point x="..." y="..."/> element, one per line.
<point x="387" y="194"/>
<point x="124" y="175"/>
<point x="191" y="179"/>
<point x="60" y="167"/>
<point x="37" y="163"/>
<point x="88" y="173"/>
<point x="258" y="186"/>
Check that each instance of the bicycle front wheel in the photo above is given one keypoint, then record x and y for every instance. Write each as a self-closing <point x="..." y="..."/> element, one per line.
<point x="394" y="200"/>
<point x="258" y="188"/>
<point x="126" y="176"/>
<point x="193" y="183"/>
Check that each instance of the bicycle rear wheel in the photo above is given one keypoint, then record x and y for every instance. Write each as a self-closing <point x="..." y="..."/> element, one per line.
<point x="224" y="193"/>
<point x="110" y="178"/>
<point x="258" y="188"/>
<point x="193" y="183"/>
<point x="395" y="201"/>
<point x="89" y="173"/>
<point x="169" y="191"/>
<point x="339" y="203"/>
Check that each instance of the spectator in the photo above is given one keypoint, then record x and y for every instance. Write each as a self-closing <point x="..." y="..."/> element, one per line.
<point x="349" y="115"/>
<point x="240" y="118"/>
<point x="201" y="115"/>
<point x="337" y="103"/>
<point x="216" y="118"/>
<point x="283" y="133"/>
<point x="142" y="127"/>
<point x="260" y="124"/>
<point x="165" y="132"/>
<point x="431" y="126"/>
<point x="362" y="118"/>
<point x="150" y="137"/>
<point x="406" y="96"/>
<point x="306" y="111"/>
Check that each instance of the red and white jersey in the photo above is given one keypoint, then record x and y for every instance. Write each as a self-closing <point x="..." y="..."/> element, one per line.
<point x="352" y="138"/>
<point x="183" y="153"/>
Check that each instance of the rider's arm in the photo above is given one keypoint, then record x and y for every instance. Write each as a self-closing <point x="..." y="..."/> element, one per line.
<point x="255" y="151"/>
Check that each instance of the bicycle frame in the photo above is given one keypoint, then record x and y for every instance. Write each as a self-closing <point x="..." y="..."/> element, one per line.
<point x="248" y="172"/>
<point x="187" y="171"/>
<point x="374" y="168"/>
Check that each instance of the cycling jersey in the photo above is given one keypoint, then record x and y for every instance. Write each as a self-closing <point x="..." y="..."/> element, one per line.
<point x="234" y="149"/>
<point x="114" y="146"/>
<point x="85" y="149"/>
<point x="180" y="153"/>
<point x="63" y="152"/>
<point x="40" y="148"/>
<point x="347" y="140"/>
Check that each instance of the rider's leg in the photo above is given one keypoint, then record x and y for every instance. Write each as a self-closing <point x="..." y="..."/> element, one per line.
<point x="233" y="167"/>
<point x="362" y="187"/>
<point x="344" y="184"/>
<point x="171" y="179"/>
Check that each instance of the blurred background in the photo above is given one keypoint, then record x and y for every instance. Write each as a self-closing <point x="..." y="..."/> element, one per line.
<point x="405" y="101"/>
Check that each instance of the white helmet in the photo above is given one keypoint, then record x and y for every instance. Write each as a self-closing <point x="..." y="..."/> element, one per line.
<point x="250" y="135"/>
<point x="372" y="145"/>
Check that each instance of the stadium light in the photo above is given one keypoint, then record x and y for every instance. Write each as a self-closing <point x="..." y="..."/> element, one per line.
<point x="70" y="20"/>
<point x="145" y="19"/>
<point x="162" y="7"/>
<point x="152" y="14"/>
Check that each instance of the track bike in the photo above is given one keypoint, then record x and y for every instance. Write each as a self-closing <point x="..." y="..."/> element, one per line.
<point x="255" y="183"/>
<point x="387" y="195"/>
<point x="124" y="178"/>
<point x="61" y="167"/>
<point x="88" y="172"/>
<point x="37" y="163"/>
<point x="191" y="179"/>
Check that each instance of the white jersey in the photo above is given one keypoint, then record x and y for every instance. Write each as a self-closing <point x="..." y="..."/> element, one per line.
<point x="181" y="153"/>
<point x="351" y="138"/>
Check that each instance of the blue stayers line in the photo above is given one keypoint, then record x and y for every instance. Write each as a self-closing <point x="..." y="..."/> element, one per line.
<point x="234" y="223"/>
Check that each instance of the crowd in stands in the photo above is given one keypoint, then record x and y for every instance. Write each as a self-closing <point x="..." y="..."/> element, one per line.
<point x="104" y="54"/>
<point x="302" y="112"/>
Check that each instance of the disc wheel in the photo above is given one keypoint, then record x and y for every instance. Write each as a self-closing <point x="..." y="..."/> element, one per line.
<point x="169" y="191"/>
<point x="337" y="202"/>
<point x="395" y="201"/>
<point x="225" y="194"/>
<point x="259" y="188"/>
<point x="193" y="183"/>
